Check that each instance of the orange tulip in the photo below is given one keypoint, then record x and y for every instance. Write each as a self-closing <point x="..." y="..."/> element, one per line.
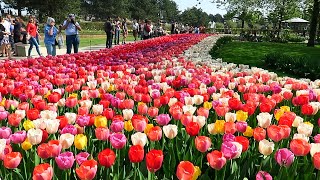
<point x="300" y="147"/>
<point x="42" y="172"/>
<point x="185" y="170"/>
<point x="87" y="170"/>
<point x="259" y="134"/>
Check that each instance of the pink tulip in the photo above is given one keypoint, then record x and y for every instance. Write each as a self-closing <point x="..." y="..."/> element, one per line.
<point x="229" y="150"/>
<point x="284" y="157"/>
<point x="69" y="129"/>
<point x="65" y="160"/>
<point x="228" y="138"/>
<point x="18" y="137"/>
<point x="117" y="126"/>
<point x="102" y="133"/>
<point x="118" y="140"/>
<point x="317" y="138"/>
<point x="163" y="119"/>
<point x="5" y="132"/>
<point x="83" y="121"/>
<point x="81" y="157"/>
<point x="262" y="175"/>
<point x="241" y="126"/>
<point x="3" y="115"/>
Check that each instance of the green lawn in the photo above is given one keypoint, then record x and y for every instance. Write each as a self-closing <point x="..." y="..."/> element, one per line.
<point x="252" y="53"/>
<point x="87" y="40"/>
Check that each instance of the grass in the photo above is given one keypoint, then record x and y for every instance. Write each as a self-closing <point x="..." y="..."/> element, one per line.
<point x="251" y="53"/>
<point x="87" y="40"/>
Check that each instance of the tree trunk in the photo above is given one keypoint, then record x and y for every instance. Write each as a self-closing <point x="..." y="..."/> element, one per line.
<point x="281" y="17"/>
<point x="19" y="12"/>
<point x="242" y="24"/>
<point x="314" y="23"/>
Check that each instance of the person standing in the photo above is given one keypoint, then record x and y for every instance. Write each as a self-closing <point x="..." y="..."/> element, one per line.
<point x="108" y="28"/>
<point x="146" y="29"/>
<point x="50" y="34"/>
<point x="72" y="28"/>
<point x="5" y="41"/>
<point x="32" y="34"/>
<point x="124" y="31"/>
<point x="135" y="29"/>
<point x="117" y="32"/>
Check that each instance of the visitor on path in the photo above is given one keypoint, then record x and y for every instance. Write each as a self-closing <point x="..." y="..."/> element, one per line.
<point x="109" y="29"/>
<point x="135" y="29"/>
<point x="146" y="29"/>
<point x="50" y="34"/>
<point x="32" y="34"/>
<point x="72" y="28"/>
<point x="124" y="31"/>
<point x="11" y="21"/>
<point x="173" y="27"/>
<point x="117" y="32"/>
<point x="36" y="22"/>
<point x="141" y="29"/>
<point x="5" y="42"/>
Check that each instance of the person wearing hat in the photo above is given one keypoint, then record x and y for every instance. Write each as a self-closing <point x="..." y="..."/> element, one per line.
<point x="50" y="34"/>
<point x="72" y="28"/>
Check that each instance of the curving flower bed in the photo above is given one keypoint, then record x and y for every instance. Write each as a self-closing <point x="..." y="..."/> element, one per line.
<point x="157" y="109"/>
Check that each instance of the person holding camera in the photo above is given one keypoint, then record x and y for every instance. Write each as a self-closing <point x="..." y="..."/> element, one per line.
<point x="50" y="33"/>
<point x="72" y="28"/>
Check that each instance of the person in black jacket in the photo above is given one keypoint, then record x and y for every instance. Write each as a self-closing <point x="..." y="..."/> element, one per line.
<point x="109" y="29"/>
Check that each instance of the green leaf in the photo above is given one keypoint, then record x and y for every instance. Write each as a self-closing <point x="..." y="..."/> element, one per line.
<point x="18" y="173"/>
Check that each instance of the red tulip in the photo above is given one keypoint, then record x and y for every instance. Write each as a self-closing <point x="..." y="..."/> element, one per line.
<point x="259" y="134"/>
<point x="14" y="119"/>
<point x="54" y="148"/>
<point x="230" y="128"/>
<point x="300" y="147"/>
<point x="54" y="97"/>
<point x="71" y="102"/>
<point x="185" y="170"/>
<point x="307" y="109"/>
<point x="136" y="153"/>
<point x="106" y="158"/>
<point x="87" y="170"/>
<point x="153" y="111"/>
<point x="316" y="160"/>
<point x="221" y="110"/>
<point x="154" y="159"/>
<point x="42" y="151"/>
<point x="193" y="128"/>
<point x="243" y="141"/>
<point x="274" y="133"/>
<point x="33" y="114"/>
<point x="234" y="104"/>
<point x="12" y="160"/>
<point x="142" y="109"/>
<point x="42" y="172"/>
<point x="216" y="159"/>
<point x="40" y="105"/>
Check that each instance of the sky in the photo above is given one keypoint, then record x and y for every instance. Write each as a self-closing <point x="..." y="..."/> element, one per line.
<point x="206" y="5"/>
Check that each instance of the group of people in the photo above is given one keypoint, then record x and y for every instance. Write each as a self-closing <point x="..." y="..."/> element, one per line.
<point x="15" y="30"/>
<point x="178" y="28"/>
<point x="145" y="29"/>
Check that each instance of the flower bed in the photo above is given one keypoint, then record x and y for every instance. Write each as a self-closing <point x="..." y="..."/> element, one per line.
<point x="157" y="109"/>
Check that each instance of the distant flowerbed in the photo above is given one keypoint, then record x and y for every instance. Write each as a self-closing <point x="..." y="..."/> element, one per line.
<point x="143" y="111"/>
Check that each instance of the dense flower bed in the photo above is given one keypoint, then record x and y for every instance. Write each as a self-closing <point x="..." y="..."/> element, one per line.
<point x="146" y="110"/>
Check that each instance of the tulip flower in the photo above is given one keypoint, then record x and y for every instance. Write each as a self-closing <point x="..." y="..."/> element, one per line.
<point x="202" y="143"/>
<point x="243" y="141"/>
<point x="12" y="160"/>
<point x="170" y="131"/>
<point x="264" y="119"/>
<point x="154" y="159"/>
<point x="80" y="141"/>
<point x="102" y="133"/>
<point x="65" y="160"/>
<point x="118" y="140"/>
<point x="34" y="136"/>
<point x="216" y="160"/>
<point x="155" y="133"/>
<point x="316" y="160"/>
<point x="66" y="140"/>
<point x="185" y="170"/>
<point x="300" y="147"/>
<point x="136" y="153"/>
<point x="284" y="157"/>
<point x="163" y="119"/>
<point x="81" y="157"/>
<point x="117" y="126"/>
<point x="266" y="147"/>
<point x="231" y="150"/>
<point x="193" y="128"/>
<point x="262" y="175"/>
<point x="87" y="170"/>
<point x="106" y="158"/>
<point x="139" y="139"/>
<point x="42" y="171"/>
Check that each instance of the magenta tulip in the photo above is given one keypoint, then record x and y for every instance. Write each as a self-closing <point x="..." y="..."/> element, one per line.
<point x="117" y="126"/>
<point x="163" y="119"/>
<point x="228" y="138"/>
<point x="81" y="157"/>
<point x="118" y="140"/>
<point x="262" y="175"/>
<point x="18" y="137"/>
<point x="284" y="157"/>
<point x="241" y="126"/>
<point x="229" y="150"/>
<point x="65" y="160"/>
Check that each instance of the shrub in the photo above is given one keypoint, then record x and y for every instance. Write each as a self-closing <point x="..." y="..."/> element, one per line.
<point x="292" y="37"/>
<point x="214" y="52"/>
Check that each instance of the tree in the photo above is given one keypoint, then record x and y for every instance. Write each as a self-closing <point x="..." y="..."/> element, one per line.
<point x="144" y="9"/>
<point x="314" y="23"/>
<point x="170" y="10"/>
<point x="195" y="17"/>
<point x="218" y="18"/>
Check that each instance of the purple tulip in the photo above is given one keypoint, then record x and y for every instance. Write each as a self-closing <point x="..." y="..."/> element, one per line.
<point x="83" y="120"/>
<point x="241" y="126"/>
<point x="18" y="137"/>
<point x="69" y="129"/>
<point x="81" y="157"/>
<point x="65" y="160"/>
<point x="262" y="175"/>
<point x="284" y="157"/>
<point x="118" y="140"/>
<point x="228" y="137"/>
<point x="229" y="150"/>
<point x="163" y="119"/>
<point x="117" y="126"/>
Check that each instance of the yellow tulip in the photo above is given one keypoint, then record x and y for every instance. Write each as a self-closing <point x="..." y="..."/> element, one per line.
<point x="139" y="103"/>
<point x="278" y="114"/>
<point x="147" y="129"/>
<point x="80" y="141"/>
<point x="219" y="127"/>
<point x="74" y="95"/>
<point x="128" y="126"/>
<point x="111" y="88"/>
<point x="46" y="95"/>
<point x="207" y="105"/>
<point x="100" y="121"/>
<point x="26" y="145"/>
<point x="241" y="115"/>
<point x="3" y="102"/>
<point x="248" y="132"/>
<point x="197" y="173"/>
<point x="28" y="125"/>
<point x="285" y="108"/>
